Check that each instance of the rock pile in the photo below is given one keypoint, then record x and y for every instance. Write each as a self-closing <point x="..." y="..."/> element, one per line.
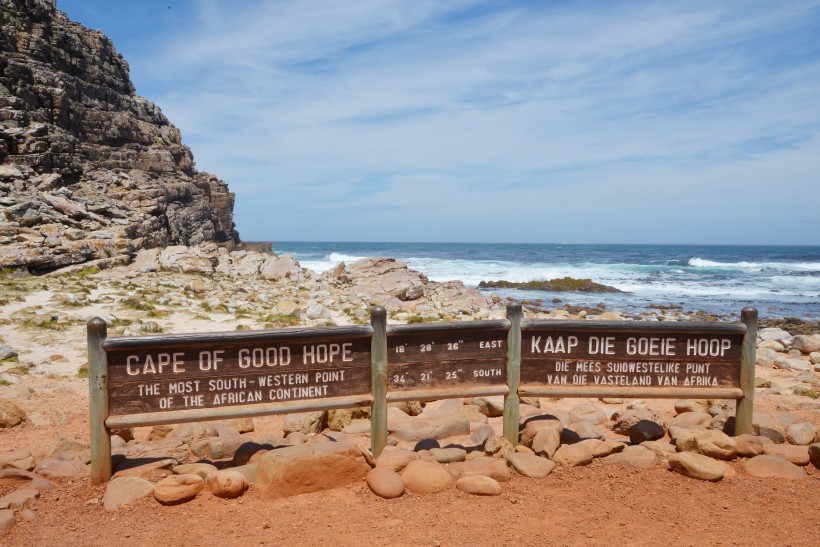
<point x="89" y="170"/>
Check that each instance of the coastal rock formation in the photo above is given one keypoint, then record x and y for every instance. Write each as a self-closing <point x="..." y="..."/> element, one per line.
<point x="88" y="169"/>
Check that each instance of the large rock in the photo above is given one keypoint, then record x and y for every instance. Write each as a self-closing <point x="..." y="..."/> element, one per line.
<point x="178" y="489"/>
<point x="489" y="467"/>
<point x="125" y="490"/>
<point x="479" y="485"/>
<point x="768" y="466"/>
<point x="626" y="420"/>
<point x="305" y="422"/>
<point x="396" y="460"/>
<point x="435" y="427"/>
<point x="801" y="433"/>
<point x="10" y="414"/>
<point x="385" y="482"/>
<point x="646" y="430"/>
<point x="6" y="521"/>
<point x="814" y="454"/>
<point x="533" y="426"/>
<point x="301" y="469"/>
<point x="93" y="171"/>
<point x="697" y="466"/>
<point x="227" y="483"/>
<point x="19" y="458"/>
<point x="798" y="455"/>
<point x="573" y="455"/>
<point x="531" y="465"/>
<point x="425" y="477"/>
<point x="806" y="343"/>
<point x="633" y="456"/>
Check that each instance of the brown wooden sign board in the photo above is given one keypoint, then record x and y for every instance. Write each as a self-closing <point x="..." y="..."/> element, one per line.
<point x="628" y="355"/>
<point x="170" y="373"/>
<point x="421" y="357"/>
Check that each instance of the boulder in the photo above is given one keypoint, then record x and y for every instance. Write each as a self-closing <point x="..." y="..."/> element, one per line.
<point x="306" y="468"/>
<point x="425" y="477"/>
<point x="814" y="454"/>
<point x="19" y="458"/>
<point x="532" y="427"/>
<point x="801" y="433"/>
<point x="697" y="466"/>
<point x="498" y="447"/>
<point x="798" y="455"/>
<point x="305" y="422"/>
<point x="218" y="448"/>
<point x="6" y="521"/>
<point x="626" y="420"/>
<point x="530" y="465"/>
<point x="227" y="483"/>
<point x="396" y="460"/>
<point x="202" y="470"/>
<point x="605" y="448"/>
<point x="148" y="471"/>
<point x="588" y="430"/>
<point x="448" y="455"/>
<point x="385" y="483"/>
<point x="696" y="418"/>
<point x="490" y="406"/>
<point x="479" y="485"/>
<point x="749" y="446"/>
<point x="806" y="343"/>
<point x="769" y="466"/>
<point x="646" y="430"/>
<point x="573" y="455"/>
<point x="633" y="456"/>
<point x="766" y="426"/>
<point x="10" y="414"/>
<point x="20" y="498"/>
<point x="546" y="442"/>
<point x="489" y="467"/>
<point x="587" y="412"/>
<point x="61" y="469"/>
<point x="435" y="427"/>
<point x="125" y="490"/>
<point x="178" y="489"/>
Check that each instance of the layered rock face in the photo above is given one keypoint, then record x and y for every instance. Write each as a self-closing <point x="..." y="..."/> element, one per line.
<point x="88" y="169"/>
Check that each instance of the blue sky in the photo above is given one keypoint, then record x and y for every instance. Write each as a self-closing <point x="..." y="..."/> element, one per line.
<point x="553" y="121"/>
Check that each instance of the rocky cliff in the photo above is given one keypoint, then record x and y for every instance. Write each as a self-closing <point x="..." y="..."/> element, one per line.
<point x="89" y="170"/>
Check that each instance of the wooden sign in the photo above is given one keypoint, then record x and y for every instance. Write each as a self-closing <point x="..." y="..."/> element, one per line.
<point x="621" y="356"/>
<point x="180" y="372"/>
<point x="446" y="355"/>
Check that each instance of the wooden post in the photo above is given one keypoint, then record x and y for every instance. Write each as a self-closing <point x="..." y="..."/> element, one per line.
<point x="511" y="400"/>
<point x="745" y="405"/>
<point x="378" y="361"/>
<point x="98" y="401"/>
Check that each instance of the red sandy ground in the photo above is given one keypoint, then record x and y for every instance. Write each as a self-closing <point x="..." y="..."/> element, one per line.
<point x="599" y="504"/>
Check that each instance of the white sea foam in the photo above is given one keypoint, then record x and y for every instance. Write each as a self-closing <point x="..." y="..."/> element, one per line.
<point x="800" y="266"/>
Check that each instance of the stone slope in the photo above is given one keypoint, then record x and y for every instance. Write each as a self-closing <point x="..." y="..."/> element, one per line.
<point x="89" y="169"/>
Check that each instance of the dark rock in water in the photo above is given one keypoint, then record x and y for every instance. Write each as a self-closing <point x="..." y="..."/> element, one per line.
<point x="88" y="169"/>
<point x="566" y="284"/>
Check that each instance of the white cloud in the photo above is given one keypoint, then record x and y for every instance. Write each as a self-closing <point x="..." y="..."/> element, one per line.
<point x="589" y="121"/>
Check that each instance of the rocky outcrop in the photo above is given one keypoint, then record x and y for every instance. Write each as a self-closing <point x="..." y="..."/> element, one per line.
<point x="89" y="169"/>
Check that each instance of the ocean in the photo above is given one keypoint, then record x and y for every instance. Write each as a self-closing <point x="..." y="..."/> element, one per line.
<point x="780" y="281"/>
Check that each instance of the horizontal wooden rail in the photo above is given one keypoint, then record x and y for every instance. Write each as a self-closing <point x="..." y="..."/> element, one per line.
<point x="222" y="413"/>
<point x="446" y="393"/>
<point x="632" y="392"/>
